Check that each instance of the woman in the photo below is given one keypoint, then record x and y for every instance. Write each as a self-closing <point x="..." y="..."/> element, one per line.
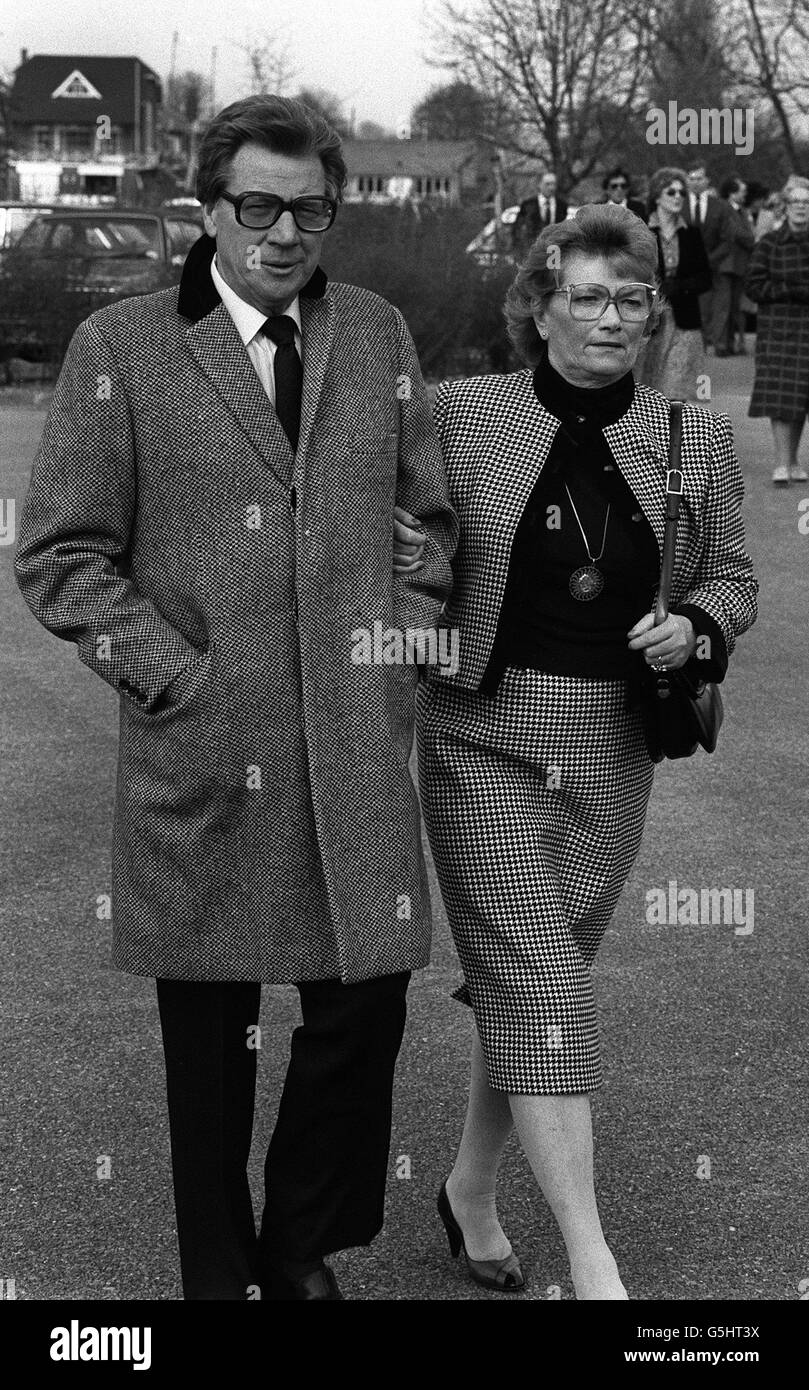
<point x="674" y="356"/>
<point x="778" y="282"/>
<point x="728" y="320"/>
<point x="534" y="774"/>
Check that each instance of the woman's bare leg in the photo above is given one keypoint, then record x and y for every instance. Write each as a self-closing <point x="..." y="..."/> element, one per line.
<point x="471" y="1184"/>
<point x="556" y="1134"/>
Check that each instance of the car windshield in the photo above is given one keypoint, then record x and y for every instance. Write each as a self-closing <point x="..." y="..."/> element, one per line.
<point x="98" y="236"/>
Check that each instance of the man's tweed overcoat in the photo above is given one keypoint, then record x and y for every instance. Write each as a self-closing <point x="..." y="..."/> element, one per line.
<point x="266" y="825"/>
<point x="496" y="436"/>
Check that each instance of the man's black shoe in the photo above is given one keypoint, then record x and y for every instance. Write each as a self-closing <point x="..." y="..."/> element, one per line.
<point x="321" y="1284"/>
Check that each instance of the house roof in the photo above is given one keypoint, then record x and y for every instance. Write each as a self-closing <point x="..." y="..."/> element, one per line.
<point x="113" y="78"/>
<point x="417" y="158"/>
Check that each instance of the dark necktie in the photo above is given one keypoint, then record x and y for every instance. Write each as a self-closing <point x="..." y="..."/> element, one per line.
<point x="288" y="373"/>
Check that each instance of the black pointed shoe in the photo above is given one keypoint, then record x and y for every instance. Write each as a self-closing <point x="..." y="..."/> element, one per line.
<point x="321" y="1285"/>
<point x="503" y="1275"/>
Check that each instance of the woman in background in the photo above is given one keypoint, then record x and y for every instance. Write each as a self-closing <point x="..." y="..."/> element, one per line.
<point x="778" y="282"/>
<point x="674" y="357"/>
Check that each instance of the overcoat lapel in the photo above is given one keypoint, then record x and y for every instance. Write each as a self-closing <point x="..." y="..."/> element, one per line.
<point x="317" y="323"/>
<point x="219" y="350"/>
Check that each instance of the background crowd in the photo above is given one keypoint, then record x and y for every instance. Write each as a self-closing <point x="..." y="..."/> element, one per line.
<point x="724" y="253"/>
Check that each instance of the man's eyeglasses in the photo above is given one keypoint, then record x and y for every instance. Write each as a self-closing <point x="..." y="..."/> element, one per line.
<point x="262" y="210"/>
<point x="588" y="302"/>
<point x="617" y="183"/>
<point x="674" y="192"/>
<point x="797" y="203"/>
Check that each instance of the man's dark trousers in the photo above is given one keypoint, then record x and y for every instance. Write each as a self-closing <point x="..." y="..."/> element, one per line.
<point x="326" y="1166"/>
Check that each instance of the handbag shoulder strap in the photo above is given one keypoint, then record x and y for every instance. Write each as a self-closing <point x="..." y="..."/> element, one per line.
<point x="674" y="491"/>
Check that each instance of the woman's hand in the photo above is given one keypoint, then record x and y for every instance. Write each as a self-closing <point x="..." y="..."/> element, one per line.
<point x="408" y="542"/>
<point x="667" y="646"/>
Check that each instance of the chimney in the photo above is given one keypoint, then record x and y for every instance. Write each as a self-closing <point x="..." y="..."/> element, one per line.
<point x="23" y="56"/>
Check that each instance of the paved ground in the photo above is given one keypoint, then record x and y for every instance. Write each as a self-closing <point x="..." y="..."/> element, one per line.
<point x="703" y="1029"/>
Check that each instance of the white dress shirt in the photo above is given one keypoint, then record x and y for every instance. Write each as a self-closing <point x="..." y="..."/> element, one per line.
<point x="248" y="321"/>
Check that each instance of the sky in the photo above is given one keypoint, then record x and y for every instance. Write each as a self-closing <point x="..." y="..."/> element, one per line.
<point x="370" y="53"/>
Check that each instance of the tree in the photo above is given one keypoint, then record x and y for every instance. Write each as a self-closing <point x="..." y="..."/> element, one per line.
<point x="770" y="46"/>
<point x="268" y="63"/>
<point x="457" y="111"/>
<point x="551" y="69"/>
<point x="327" y="105"/>
<point x="188" y="98"/>
<point x="370" y="130"/>
<point x="688" y="60"/>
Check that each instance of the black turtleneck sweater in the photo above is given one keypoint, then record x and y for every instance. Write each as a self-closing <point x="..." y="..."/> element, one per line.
<point x="541" y="624"/>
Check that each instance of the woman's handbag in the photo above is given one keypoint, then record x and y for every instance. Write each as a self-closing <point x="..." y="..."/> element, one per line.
<point x="680" y="712"/>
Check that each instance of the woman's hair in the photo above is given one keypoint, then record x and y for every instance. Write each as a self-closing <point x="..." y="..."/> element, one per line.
<point x="281" y="125"/>
<point x="660" y="178"/>
<point x="598" y="229"/>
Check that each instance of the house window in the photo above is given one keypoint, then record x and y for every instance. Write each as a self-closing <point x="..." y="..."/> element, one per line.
<point x="42" y="139"/>
<point x="78" y="141"/>
<point x="360" y="184"/>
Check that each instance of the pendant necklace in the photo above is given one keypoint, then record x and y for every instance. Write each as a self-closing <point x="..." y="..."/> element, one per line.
<point x="586" y="583"/>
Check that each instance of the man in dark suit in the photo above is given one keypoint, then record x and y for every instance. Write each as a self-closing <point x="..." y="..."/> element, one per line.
<point x="616" y="189"/>
<point x="210" y="519"/>
<point x="728" y="320"/>
<point x="537" y="213"/>
<point x="709" y="213"/>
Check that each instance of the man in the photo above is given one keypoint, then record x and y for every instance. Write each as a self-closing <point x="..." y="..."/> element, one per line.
<point x="537" y="213"/>
<point x="728" y="319"/>
<point x="707" y="212"/>
<point x="212" y="532"/>
<point x="616" y="189"/>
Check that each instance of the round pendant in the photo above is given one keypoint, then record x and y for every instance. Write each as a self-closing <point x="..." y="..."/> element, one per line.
<point x="586" y="583"/>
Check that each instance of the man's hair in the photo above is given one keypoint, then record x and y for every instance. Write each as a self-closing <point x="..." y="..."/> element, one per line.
<point x="615" y="174"/>
<point x="281" y="125"/>
<point x="660" y="178"/>
<point x="598" y="229"/>
<point x="795" y="181"/>
<point x="731" y="185"/>
<point x="698" y="169"/>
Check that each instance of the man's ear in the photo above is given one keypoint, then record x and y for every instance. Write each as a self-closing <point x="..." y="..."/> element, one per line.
<point x="208" y="219"/>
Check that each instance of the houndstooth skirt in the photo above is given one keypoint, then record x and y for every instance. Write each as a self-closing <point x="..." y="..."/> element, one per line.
<point x="534" y="802"/>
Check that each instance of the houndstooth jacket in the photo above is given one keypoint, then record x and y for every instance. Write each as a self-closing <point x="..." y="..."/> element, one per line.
<point x="495" y="437"/>
<point x="266" y="825"/>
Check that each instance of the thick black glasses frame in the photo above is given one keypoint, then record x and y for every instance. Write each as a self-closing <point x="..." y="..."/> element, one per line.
<point x="282" y="207"/>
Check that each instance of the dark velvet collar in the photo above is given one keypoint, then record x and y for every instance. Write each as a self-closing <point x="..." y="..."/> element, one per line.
<point x="590" y="407"/>
<point x="198" y="293"/>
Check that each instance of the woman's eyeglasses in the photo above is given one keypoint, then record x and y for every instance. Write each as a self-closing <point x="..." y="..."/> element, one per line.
<point x="674" y="192"/>
<point x="589" y="302"/>
<point x="262" y="210"/>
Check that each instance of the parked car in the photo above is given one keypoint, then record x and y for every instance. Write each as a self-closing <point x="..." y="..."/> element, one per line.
<point x="15" y="217"/>
<point x="69" y="261"/>
<point x="112" y="251"/>
<point x="493" y="244"/>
